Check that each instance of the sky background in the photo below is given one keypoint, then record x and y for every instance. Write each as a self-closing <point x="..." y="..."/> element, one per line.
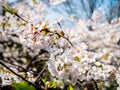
<point x="82" y="9"/>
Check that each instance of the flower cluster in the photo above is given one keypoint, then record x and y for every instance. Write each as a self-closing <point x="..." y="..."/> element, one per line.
<point x="70" y="59"/>
<point x="8" y="78"/>
<point x="78" y="64"/>
<point x="88" y="50"/>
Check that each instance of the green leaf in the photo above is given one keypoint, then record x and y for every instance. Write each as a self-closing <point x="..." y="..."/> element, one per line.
<point x="22" y="86"/>
<point x="44" y="80"/>
<point x="70" y="87"/>
<point x="8" y="9"/>
<point x="53" y="84"/>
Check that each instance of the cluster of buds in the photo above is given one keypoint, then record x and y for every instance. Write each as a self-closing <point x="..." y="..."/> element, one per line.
<point x="69" y="58"/>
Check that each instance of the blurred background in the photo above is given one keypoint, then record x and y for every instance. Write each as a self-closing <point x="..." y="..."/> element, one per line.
<point x="97" y="22"/>
<point x="80" y="9"/>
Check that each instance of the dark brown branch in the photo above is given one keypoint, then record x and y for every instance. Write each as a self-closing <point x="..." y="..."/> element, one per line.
<point x="20" y="17"/>
<point x="13" y="12"/>
<point x="34" y="58"/>
<point x="96" y="86"/>
<point x="63" y="37"/>
<point x="48" y="31"/>
<point x="40" y="73"/>
<point x="14" y="65"/>
<point x="18" y="75"/>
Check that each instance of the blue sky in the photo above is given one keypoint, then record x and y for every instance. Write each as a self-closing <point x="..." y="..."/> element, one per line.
<point x="83" y="9"/>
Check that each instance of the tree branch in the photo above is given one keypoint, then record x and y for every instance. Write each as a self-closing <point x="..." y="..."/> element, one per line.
<point x="18" y="75"/>
<point x="96" y="86"/>
<point x="40" y="73"/>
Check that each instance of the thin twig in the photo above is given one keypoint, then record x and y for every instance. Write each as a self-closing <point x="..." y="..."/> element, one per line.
<point x="96" y="86"/>
<point x="13" y="12"/>
<point x="20" y="17"/>
<point x="63" y="37"/>
<point x="18" y="75"/>
<point x="40" y="73"/>
<point x="48" y="31"/>
<point x="15" y="65"/>
<point x="34" y="58"/>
